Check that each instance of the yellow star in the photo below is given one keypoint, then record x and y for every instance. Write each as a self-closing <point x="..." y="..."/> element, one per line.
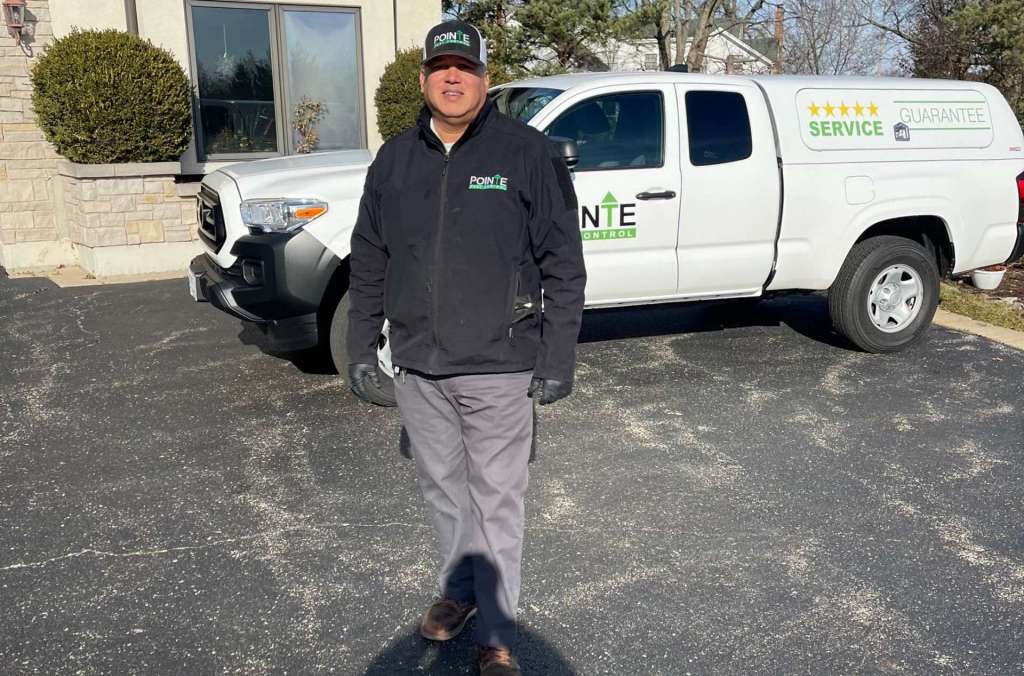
<point x="814" y="109"/>
<point x="829" y="109"/>
<point x="858" y="109"/>
<point x="873" y="109"/>
<point x="844" y="109"/>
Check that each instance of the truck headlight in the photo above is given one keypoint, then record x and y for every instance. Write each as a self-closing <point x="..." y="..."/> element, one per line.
<point x="281" y="215"/>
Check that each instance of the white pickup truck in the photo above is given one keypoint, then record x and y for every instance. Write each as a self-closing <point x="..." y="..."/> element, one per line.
<point x="690" y="187"/>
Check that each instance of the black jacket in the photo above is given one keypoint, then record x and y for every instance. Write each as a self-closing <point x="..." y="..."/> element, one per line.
<point x="454" y="249"/>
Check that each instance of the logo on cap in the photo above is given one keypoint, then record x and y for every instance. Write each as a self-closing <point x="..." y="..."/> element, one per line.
<point x="452" y="38"/>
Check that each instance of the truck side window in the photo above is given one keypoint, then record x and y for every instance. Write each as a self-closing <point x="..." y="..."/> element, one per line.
<point x="615" y="131"/>
<point x="718" y="128"/>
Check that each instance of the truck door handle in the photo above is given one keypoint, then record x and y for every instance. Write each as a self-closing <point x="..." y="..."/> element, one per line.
<point x="663" y="195"/>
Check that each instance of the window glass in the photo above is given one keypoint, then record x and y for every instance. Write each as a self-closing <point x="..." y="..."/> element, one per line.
<point x="320" y="50"/>
<point x="718" y="128"/>
<point x="522" y="103"/>
<point x="235" y="80"/>
<point x="615" y="131"/>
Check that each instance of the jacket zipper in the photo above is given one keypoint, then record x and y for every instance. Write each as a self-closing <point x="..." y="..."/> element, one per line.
<point x="437" y="252"/>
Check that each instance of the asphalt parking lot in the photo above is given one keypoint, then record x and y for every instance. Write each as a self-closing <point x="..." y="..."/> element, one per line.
<point x="730" y="490"/>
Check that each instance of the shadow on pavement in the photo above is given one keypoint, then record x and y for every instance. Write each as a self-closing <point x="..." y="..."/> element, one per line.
<point x="807" y="314"/>
<point x="414" y="654"/>
<point x="313" y="361"/>
<point x="474" y="579"/>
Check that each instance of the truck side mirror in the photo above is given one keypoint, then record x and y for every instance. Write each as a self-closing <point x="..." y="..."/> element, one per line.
<point x="567" y="150"/>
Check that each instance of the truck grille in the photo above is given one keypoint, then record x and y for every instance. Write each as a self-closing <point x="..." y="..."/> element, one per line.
<point x="211" y="219"/>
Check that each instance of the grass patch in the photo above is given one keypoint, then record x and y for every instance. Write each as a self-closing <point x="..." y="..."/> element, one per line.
<point x="980" y="307"/>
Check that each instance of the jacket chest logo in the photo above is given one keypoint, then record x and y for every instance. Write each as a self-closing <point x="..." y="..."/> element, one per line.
<point x="496" y="182"/>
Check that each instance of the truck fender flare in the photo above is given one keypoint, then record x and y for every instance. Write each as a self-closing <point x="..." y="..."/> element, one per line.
<point x="937" y="207"/>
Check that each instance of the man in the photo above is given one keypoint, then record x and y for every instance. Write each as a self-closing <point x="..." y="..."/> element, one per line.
<point x="464" y="219"/>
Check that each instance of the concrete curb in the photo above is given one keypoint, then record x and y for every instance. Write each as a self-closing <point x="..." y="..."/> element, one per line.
<point x="74" y="276"/>
<point x="951" y="320"/>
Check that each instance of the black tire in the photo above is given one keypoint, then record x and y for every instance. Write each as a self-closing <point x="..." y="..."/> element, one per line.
<point x="848" y="296"/>
<point x="337" y="333"/>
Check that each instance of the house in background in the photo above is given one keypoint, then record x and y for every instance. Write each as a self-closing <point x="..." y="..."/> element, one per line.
<point x="251" y="64"/>
<point x="726" y="52"/>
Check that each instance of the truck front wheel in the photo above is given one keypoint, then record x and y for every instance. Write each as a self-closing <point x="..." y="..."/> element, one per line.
<point x="385" y="396"/>
<point x="886" y="294"/>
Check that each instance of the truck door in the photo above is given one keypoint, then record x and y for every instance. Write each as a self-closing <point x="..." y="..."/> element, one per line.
<point x="730" y="190"/>
<point x="627" y="184"/>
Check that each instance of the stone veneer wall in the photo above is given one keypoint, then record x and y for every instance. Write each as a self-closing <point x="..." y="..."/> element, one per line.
<point x="28" y="230"/>
<point x="114" y="214"/>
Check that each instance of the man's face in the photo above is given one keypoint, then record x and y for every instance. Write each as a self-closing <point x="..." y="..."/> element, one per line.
<point x="454" y="88"/>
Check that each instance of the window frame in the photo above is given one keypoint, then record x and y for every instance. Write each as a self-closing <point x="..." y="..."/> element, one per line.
<point x="620" y="92"/>
<point x="279" y="72"/>
<point x="280" y="9"/>
<point x="686" y="115"/>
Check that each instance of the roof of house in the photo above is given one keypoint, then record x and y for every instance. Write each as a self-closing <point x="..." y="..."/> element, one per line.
<point x="762" y="45"/>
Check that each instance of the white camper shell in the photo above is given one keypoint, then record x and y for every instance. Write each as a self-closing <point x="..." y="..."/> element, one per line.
<point x="690" y="187"/>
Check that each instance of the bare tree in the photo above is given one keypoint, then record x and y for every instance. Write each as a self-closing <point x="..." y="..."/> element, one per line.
<point x="929" y="43"/>
<point x="650" y="18"/>
<point x="837" y="37"/>
<point x="690" y="25"/>
<point x="682" y="23"/>
<point x="703" y="26"/>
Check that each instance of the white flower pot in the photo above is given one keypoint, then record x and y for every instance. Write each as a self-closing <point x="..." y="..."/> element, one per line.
<point x="986" y="280"/>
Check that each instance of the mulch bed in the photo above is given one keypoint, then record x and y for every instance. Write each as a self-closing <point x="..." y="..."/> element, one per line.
<point x="1012" y="285"/>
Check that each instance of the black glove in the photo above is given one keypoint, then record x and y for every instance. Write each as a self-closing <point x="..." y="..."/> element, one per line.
<point x="364" y="381"/>
<point x="548" y="391"/>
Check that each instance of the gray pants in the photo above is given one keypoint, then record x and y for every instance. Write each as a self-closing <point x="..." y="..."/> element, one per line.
<point x="471" y="438"/>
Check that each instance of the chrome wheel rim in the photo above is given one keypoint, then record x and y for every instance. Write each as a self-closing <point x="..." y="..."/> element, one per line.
<point x="895" y="298"/>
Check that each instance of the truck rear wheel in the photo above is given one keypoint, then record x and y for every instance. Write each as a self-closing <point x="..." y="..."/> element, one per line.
<point x="886" y="294"/>
<point x="385" y="396"/>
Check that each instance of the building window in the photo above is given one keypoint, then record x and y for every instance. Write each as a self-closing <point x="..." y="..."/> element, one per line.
<point x="717" y="127"/>
<point x="255" y="63"/>
<point x="651" y="61"/>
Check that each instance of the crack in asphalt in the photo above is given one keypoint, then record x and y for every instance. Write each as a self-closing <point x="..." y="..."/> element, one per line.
<point x="208" y="545"/>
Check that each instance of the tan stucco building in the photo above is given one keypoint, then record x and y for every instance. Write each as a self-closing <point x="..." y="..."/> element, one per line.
<point x="251" y="63"/>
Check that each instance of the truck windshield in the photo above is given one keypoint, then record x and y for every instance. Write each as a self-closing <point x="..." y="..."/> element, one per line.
<point x="522" y="103"/>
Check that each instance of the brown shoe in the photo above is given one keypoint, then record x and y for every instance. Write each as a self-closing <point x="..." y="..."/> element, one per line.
<point x="498" y="662"/>
<point x="445" y="619"/>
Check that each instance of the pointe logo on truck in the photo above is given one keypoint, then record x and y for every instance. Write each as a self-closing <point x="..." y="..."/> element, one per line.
<point x="608" y="220"/>
<point x="883" y="119"/>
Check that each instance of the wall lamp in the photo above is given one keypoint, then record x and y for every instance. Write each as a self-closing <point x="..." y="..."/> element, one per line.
<point x="14" y="17"/>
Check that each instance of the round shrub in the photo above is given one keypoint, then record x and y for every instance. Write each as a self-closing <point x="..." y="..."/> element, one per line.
<point x="108" y="96"/>
<point x="398" y="95"/>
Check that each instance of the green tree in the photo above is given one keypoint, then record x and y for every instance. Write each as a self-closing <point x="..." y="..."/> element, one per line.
<point x="568" y="30"/>
<point x="994" y="30"/>
<point x="649" y="18"/>
<point x="539" y="36"/>
<point x="507" y="51"/>
<point x="979" y="40"/>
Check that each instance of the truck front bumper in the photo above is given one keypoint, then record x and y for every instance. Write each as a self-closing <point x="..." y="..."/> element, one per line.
<point x="278" y="283"/>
